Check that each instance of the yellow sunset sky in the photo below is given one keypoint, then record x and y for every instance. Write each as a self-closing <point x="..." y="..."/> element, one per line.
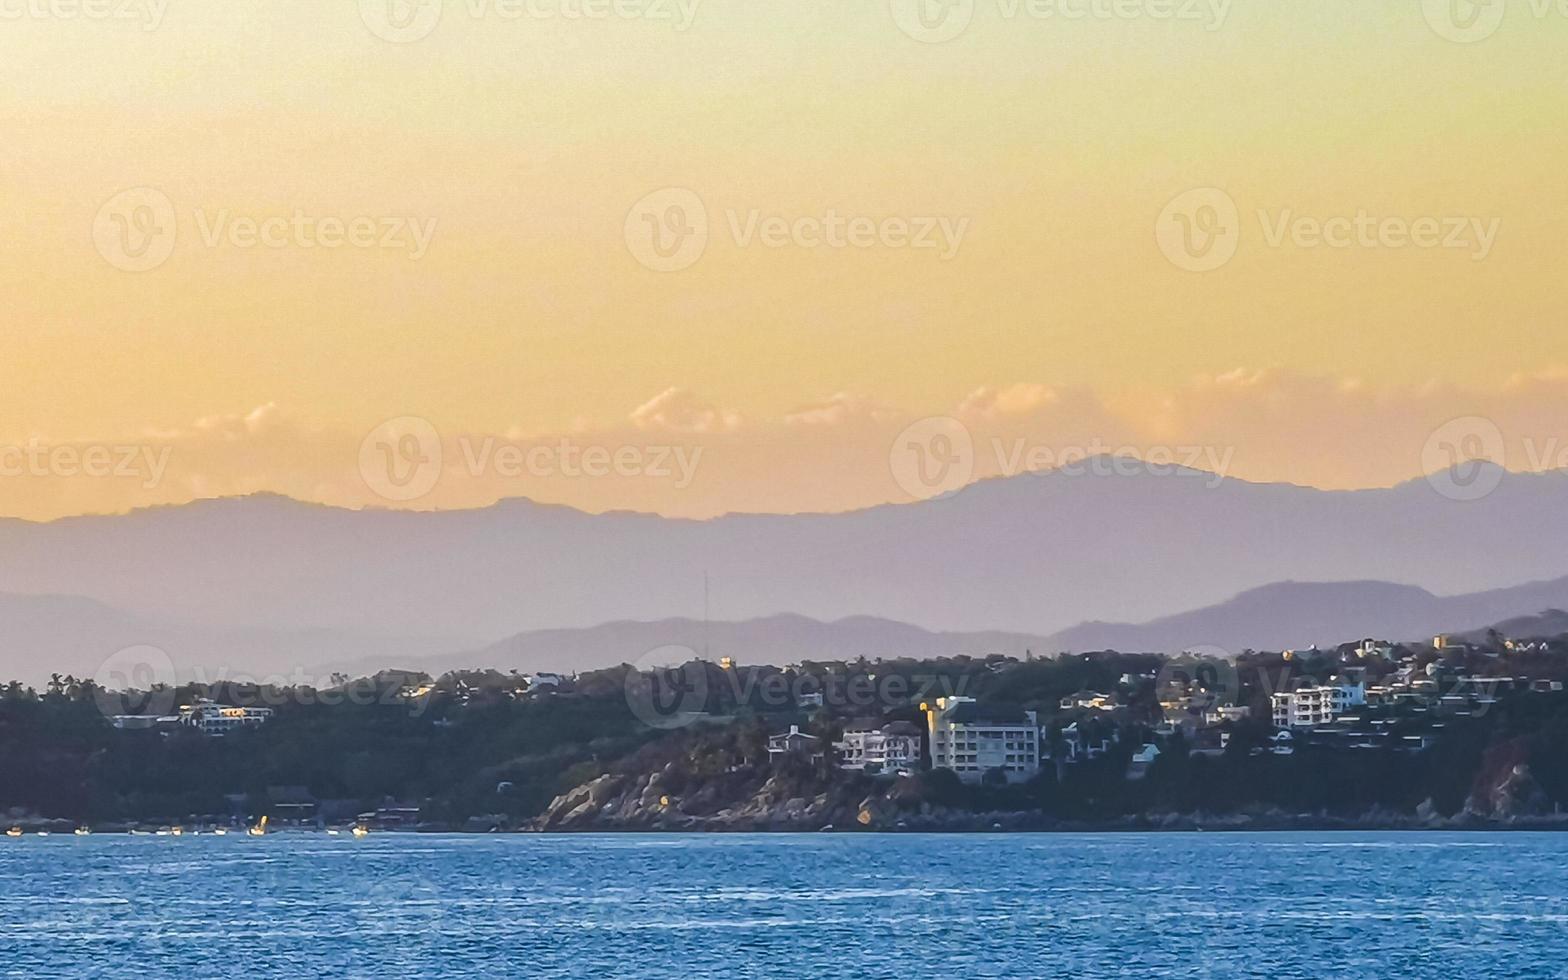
<point x="524" y="142"/>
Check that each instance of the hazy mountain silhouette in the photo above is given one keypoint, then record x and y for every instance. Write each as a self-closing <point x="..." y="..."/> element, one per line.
<point x="1545" y="625"/>
<point x="67" y="634"/>
<point x="1286" y="615"/>
<point x="771" y="640"/>
<point x="47" y="634"/>
<point x="1029" y="554"/>
<point x="1295" y="615"/>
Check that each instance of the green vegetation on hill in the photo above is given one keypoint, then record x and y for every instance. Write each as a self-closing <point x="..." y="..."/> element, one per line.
<point x="482" y="749"/>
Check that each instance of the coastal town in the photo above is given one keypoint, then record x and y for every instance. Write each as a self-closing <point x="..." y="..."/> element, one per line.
<point x="1449" y="728"/>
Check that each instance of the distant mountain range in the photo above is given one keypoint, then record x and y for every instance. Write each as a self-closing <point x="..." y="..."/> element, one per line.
<point x="302" y="584"/>
<point x="1296" y="615"/>
<point x="42" y="635"/>
<point x="73" y="635"/>
<point x="1028" y="554"/>
<point x="1546" y="625"/>
<point x="1288" y="615"/>
<point x="771" y="640"/>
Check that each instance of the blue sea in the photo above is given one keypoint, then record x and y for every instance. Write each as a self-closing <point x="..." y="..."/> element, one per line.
<point x="851" y="905"/>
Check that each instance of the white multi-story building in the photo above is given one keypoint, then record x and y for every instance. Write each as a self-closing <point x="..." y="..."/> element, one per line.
<point x="971" y="741"/>
<point x="880" y="748"/>
<point x="211" y="718"/>
<point x="1309" y="706"/>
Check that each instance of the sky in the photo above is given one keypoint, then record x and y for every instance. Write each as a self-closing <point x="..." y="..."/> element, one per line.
<point x="699" y="256"/>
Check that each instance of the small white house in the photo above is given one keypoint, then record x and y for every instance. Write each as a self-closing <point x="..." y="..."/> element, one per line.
<point x="1141" y="760"/>
<point x="794" y="743"/>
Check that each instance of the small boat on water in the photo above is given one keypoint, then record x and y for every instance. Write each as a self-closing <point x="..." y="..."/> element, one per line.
<point x="220" y="832"/>
<point x="332" y="831"/>
<point x="260" y="830"/>
<point x="177" y="831"/>
<point x="14" y="832"/>
<point x="82" y="831"/>
<point x="360" y="830"/>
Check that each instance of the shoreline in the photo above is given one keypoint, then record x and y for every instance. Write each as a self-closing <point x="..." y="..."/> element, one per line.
<point x="1220" y="825"/>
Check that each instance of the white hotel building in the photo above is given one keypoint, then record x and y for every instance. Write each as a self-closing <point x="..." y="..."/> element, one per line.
<point x="971" y="741"/>
<point x="880" y="748"/>
<point x="1306" y="707"/>
<point x="211" y="718"/>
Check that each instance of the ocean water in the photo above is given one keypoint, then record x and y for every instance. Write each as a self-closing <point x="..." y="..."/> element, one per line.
<point x="696" y="907"/>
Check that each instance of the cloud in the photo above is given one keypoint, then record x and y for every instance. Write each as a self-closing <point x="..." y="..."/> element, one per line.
<point x="841" y="409"/>
<point x="678" y="410"/>
<point x="833" y="454"/>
